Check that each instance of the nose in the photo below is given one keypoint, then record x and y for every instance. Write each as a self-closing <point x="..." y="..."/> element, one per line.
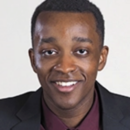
<point x="66" y="64"/>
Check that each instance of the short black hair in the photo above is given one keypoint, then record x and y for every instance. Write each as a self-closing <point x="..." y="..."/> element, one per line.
<point x="70" y="6"/>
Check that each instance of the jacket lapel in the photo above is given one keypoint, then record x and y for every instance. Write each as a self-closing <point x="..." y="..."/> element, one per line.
<point x="30" y="113"/>
<point x="111" y="124"/>
<point x="29" y="124"/>
<point x="112" y="118"/>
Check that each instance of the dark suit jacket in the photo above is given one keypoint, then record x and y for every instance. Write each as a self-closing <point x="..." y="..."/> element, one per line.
<point x="23" y="112"/>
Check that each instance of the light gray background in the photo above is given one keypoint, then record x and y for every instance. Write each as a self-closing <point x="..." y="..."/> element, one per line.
<point x="16" y="75"/>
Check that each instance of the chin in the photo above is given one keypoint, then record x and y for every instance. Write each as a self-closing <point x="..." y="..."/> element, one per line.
<point x="66" y="105"/>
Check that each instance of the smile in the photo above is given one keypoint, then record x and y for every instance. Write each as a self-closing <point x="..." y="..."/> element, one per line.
<point x="63" y="84"/>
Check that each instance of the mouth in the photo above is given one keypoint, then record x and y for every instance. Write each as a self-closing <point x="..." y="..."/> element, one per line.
<point x="67" y="86"/>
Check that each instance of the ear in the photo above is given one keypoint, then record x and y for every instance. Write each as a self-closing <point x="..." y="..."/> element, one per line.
<point x="32" y="59"/>
<point x="103" y="58"/>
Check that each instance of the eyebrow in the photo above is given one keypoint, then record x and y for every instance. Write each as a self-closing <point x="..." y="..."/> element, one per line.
<point x="82" y="39"/>
<point x="47" y="40"/>
<point x="77" y="39"/>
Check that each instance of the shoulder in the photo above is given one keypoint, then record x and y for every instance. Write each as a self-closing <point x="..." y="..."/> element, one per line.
<point x="13" y="104"/>
<point x="123" y="102"/>
<point x="14" y="109"/>
<point x="115" y="110"/>
<point x="111" y="101"/>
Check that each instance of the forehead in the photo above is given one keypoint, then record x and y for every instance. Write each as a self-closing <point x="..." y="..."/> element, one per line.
<point x="70" y="15"/>
<point x="65" y="26"/>
<point x="58" y="19"/>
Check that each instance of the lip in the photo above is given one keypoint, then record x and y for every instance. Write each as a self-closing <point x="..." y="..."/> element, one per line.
<point x="65" y="89"/>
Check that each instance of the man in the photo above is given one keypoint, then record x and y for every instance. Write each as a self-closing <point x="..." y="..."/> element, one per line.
<point x="67" y="52"/>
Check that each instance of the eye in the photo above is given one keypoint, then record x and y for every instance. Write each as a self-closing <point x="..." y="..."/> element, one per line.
<point x="49" y="52"/>
<point x="82" y="52"/>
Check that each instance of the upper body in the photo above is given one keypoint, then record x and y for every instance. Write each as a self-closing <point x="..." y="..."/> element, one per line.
<point x="25" y="112"/>
<point x="67" y="53"/>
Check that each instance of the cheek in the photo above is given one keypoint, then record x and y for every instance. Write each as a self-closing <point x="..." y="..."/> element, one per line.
<point x="39" y="62"/>
<point x="90" y="68"/>
<point x="44" y="68"/>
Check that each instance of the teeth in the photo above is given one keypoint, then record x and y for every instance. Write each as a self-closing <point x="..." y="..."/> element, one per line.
<point x="66" y="83"/>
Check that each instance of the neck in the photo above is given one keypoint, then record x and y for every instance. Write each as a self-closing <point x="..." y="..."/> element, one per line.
<point x="72" y="117"/>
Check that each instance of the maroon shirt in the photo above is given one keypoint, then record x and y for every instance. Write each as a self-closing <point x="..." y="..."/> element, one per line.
<point x="90" y="122"/>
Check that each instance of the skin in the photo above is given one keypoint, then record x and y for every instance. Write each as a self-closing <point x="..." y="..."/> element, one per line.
<point x="67" y="47"/>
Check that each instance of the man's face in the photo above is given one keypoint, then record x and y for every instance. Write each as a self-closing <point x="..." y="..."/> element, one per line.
<point x="66" y="56"/>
